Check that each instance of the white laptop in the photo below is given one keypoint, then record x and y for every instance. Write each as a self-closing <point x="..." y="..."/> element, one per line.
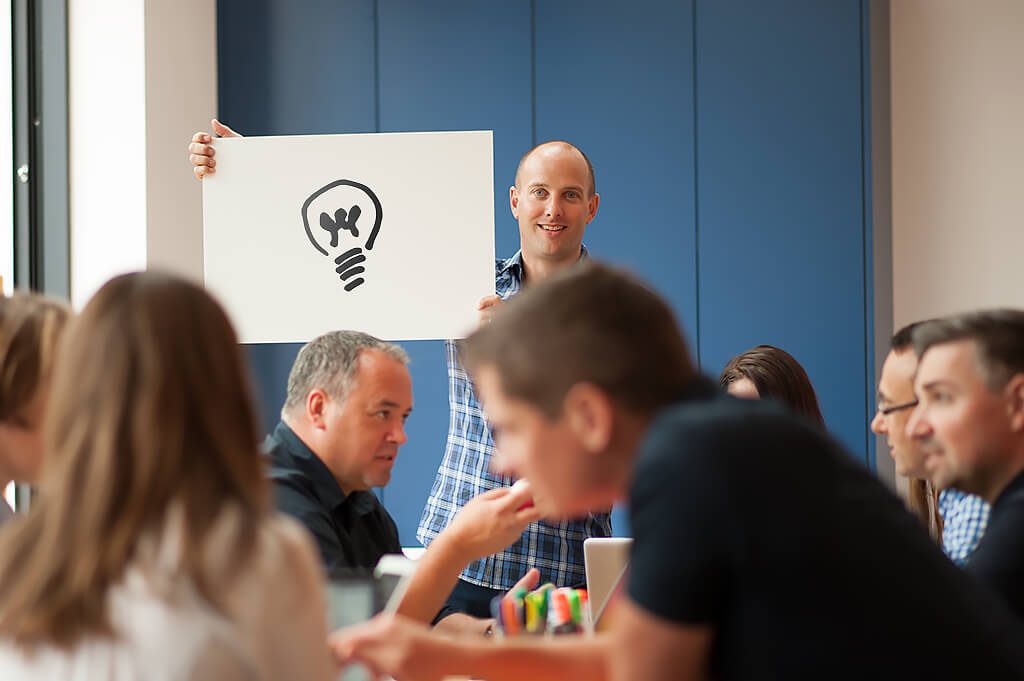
<point x="605" y="560"/>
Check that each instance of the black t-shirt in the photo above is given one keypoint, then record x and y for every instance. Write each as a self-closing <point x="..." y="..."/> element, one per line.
<point x="757" y="524"/>
<point x="353" y="530"/>
<point x="999" y="559"/>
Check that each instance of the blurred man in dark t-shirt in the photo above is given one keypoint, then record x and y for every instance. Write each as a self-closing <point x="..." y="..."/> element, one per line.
<point x="762" y="550"/>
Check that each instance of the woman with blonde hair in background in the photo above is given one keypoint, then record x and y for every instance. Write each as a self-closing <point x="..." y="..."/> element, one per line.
<point x="152" y="551"/>
<point x="30" y="326"/>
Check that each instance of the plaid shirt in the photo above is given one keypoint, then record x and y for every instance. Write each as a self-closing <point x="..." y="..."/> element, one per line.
<point x="556" y="549"/>
<point x="964" y="518"/>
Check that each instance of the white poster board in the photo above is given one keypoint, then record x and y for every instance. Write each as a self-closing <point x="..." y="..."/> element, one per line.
<point x="391" y="234"/>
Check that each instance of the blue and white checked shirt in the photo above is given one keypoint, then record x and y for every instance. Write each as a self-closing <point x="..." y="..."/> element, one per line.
<point x="964" y="518"/>
<point x="556" y="549"/>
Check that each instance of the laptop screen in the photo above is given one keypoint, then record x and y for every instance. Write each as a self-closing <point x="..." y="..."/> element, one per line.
<point x="606" y="560"/>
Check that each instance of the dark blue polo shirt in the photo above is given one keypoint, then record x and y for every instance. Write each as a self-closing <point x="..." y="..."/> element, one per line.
<point x="352" y="530"/>
<point x="999" y="559"/>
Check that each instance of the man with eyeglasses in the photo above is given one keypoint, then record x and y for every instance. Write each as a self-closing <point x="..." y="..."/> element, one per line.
<point x="964" y="516"/>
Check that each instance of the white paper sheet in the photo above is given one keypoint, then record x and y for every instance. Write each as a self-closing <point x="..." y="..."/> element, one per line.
<point x="413" y="216"/>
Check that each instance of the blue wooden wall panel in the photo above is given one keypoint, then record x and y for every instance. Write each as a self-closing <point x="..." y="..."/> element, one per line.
<point x="728" y="156"/>
<point x="270" y="364"/>
<point x="780" y="202"/>
<point x="451" y="65"/>
<point x="296" y="68"/>
<point x="617" y="80"/>
<point x="461" y="65"/>
<point x="243" y="63"/>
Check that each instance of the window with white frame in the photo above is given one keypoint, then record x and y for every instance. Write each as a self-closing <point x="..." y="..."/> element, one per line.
<point x="6" y="153"/>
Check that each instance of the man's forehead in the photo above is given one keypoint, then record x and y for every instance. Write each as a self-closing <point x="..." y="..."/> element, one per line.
<point x="378" y="389"/>
<point x="376" y="372"/>
<point x="548" y="159"/>
<point x="495" y="400"/>
<point x="954" y="361"/>
<point x="897" y="379"/>
<point x="899" y="366"/>
<point x="377" y="363"/>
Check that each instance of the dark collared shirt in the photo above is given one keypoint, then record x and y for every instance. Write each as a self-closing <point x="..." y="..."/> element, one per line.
<point x="352" y="530"/>
<point x="999" y="558"/>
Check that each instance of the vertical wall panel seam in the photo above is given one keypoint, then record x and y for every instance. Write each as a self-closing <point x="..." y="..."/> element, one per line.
<point x="376" y="109"/>
<point x="865" y="170"/>
<point x="696" y="189"/>
<point x="376" y="65"/>
<point x="533" y="73"/>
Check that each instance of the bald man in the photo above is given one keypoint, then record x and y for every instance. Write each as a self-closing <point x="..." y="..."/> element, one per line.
<point x="553" y="199"/>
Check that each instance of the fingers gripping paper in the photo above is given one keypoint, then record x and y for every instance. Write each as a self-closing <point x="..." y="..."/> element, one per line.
<point x="391" y="234"/>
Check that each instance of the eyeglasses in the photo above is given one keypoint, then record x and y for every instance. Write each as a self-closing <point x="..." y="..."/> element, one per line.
<point x="885" y="411"/>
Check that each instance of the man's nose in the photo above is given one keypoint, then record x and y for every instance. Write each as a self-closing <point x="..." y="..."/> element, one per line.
<point x="554" y="207"/>
<point x="397" y="434"/>
<point x="918" y="426"/>
<point x="878" y="425"/>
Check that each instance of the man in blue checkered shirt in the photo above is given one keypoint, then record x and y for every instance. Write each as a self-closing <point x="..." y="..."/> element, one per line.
<point x="553" y="199"/>
<point x="964" y="516"/>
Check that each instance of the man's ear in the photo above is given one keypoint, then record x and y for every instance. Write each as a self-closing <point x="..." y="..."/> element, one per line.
<point x="1015" y="402"/>
<point x="316" y="408"/>
<point x="513" y="201"/>
<point x="591" y="416"/>
<point x="592" y="205"/>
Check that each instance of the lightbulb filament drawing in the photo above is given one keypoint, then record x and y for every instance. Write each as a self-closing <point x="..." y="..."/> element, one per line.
<point x="340" y="205"/>
<point x="342" y="220"/>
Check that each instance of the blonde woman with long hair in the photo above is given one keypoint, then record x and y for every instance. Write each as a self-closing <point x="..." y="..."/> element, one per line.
<point x="152" y="551"/>
<point x="30" y="326"/>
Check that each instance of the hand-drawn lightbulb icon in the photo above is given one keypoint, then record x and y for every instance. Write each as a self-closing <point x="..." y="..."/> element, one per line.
<point x="338" y="215"/>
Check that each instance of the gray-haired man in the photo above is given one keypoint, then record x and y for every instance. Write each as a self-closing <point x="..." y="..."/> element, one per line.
<point x="343" y="421"/>
<point x="969" y="422"/>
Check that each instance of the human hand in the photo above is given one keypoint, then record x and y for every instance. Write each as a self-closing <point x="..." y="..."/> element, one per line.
<point x="487" y="307"/>
<point x="529" y="581"/>
<point x="201" y="151"/>
<point x="393" y="646"/>
<point x="492" y="521"/>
